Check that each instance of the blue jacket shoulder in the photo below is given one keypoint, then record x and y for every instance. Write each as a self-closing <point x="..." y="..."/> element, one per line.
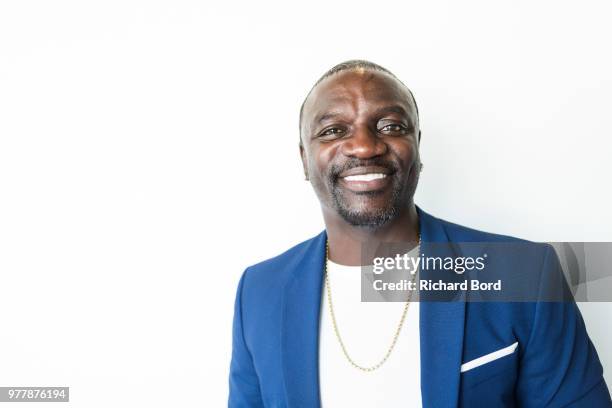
<point x="462" y="233"/>
<point x="274" y="272"/>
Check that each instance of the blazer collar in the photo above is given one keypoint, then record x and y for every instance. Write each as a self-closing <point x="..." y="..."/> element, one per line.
<point x="441" y="326"/>
<point x="300" y="326"/>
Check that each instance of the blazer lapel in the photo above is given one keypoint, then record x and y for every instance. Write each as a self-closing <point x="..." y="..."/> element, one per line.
<point x="441" y="325"/>
<point x="300" y="326"/>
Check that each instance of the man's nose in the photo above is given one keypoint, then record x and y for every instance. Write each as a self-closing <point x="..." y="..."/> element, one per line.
<point x="364" y="143"/>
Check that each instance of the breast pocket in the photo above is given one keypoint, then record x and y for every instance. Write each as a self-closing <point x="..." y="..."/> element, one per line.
<point x="500" y="362"/>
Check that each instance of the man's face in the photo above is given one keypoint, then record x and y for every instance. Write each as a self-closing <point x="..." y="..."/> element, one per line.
<point x="359" y="147"/>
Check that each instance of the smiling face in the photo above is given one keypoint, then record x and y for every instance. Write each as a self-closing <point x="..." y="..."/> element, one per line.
<point x="359" y="148"/>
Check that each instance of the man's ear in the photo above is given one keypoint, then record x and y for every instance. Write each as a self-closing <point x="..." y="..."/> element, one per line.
<point x="303" y="156"/>
<point x="419" y="138"/>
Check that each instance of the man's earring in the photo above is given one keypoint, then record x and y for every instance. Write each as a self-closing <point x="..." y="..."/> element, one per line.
<point x="421" y="166"/>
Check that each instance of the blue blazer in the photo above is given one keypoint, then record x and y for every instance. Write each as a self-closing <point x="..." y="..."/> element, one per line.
<point x="552" y="364"/>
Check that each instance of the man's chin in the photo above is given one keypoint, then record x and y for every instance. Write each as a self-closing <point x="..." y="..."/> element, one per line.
<point x="367" y="218"/>
<point x="372" y="209"/>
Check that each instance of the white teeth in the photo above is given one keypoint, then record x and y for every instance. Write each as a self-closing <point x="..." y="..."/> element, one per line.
<point x="366" y="177"/>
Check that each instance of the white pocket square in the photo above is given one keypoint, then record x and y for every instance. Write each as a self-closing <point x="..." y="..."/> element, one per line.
<point x="487" y="358"/>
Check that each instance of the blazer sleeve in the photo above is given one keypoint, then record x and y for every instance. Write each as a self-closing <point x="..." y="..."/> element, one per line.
<point x="243" y="381"/>
<point x="559" y="366"/>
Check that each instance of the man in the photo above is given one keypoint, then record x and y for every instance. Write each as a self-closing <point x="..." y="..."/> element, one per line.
<point x="301" y="336"/>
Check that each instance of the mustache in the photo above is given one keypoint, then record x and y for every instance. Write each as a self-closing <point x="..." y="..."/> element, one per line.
<point x="337" y="169"/>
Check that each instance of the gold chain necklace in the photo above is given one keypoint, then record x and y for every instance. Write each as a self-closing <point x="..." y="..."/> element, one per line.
<point x="337" y="332"/>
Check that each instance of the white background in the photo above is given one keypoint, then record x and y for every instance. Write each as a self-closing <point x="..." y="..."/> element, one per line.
<point x="148" y="154"/>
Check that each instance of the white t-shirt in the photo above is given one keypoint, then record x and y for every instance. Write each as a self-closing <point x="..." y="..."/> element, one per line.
<point x="367" y="330"/>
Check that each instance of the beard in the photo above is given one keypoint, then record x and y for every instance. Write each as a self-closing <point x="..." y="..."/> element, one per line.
<point x="360" y="210"/>
<point x="368" y="217"/>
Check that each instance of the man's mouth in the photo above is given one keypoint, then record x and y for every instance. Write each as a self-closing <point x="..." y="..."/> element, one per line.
<point x="365" y="179"/>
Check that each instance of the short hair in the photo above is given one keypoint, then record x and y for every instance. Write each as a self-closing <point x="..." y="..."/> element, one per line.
<point x="349" y="66"/>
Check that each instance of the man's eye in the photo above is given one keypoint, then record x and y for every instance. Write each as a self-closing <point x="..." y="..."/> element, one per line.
<point x="394" y="128"/>
<point x="332" y="132"/>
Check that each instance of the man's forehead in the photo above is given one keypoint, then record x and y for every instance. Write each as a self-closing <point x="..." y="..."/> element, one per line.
<point x="376" y="88"/>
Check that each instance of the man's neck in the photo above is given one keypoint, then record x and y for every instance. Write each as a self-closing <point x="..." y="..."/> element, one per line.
<point x="346" y="240"/>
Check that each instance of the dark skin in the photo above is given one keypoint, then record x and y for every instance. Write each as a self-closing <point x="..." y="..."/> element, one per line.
<point x="358" y="124"/>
